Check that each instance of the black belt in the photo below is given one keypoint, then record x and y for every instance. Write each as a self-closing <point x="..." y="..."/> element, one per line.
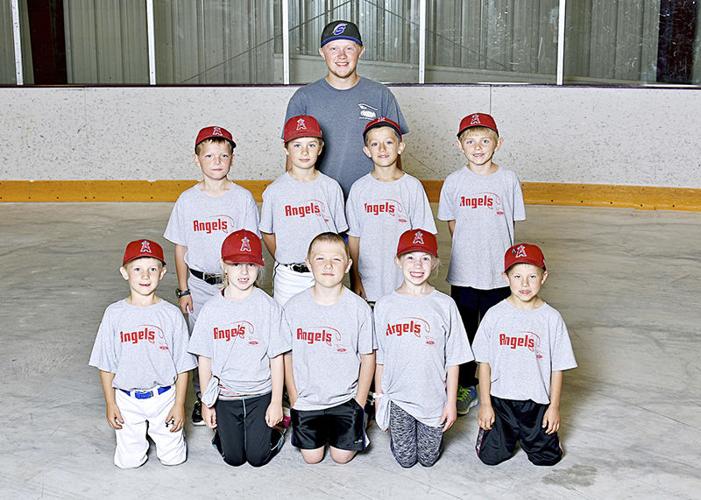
<point x="211" y="278"/>
<point x="298" y="268"/>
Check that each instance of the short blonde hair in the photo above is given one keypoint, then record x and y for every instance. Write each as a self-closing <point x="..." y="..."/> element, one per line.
<point x="328" y="237"/>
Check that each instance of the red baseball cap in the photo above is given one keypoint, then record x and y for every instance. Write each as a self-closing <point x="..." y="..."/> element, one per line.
<point x="212" y="132"/>
<point x="524" y="253"/>
<point x="477" y="120"/>
<point x="417" y="240"/>
<point x="143" y="248"/>
<point x="242" y="246"/>
<point x="382" y="121"/>
<point x="301" y="126"/>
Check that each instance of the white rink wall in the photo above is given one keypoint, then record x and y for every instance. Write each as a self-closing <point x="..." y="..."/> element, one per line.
<point x="634" y="136"/>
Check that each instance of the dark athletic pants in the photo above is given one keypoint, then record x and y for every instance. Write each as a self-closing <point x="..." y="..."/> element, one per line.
<point x="242" y="434"/>
<point x="518" y="421"/>
<point x="472" y="304"/>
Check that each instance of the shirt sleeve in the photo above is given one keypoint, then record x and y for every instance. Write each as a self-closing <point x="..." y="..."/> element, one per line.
<point x="519" y="207"/>
<point x="380" y="339"/>
<point x="339" y="210"/>
<point x="393" y="111"/>
<point x="422" y="216"/>
<point x="266" y="212"/>
<point x="184" y="361"/>
<point x="295" y="106"/>
<point x="352" y="218"/>
<point x="457" y="347"/>
<point x="175" y="230"/>
<point x="279" y="333"/>
<point x="366" y="329"/>
<point x="103" y="356"/>
<point x="250" y="220"/>
<point x="445" y="203"/>
<point x="480" y="346"/>
<point x="200" y="341"/>
<point x="562" y="356"/>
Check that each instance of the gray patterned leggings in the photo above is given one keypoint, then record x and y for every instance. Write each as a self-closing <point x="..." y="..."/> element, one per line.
<point x="412" y="441"/>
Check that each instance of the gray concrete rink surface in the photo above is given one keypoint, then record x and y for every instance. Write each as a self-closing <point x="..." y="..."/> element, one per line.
<point x="628" y="284"/>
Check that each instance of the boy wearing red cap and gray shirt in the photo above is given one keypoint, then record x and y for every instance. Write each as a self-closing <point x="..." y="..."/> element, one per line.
<point x="480" y="202"/>
<point x="522" y="347"/>
<point x="141" y="352"/>
<point x="297" y="206"/>
<point x="202" y="217"/>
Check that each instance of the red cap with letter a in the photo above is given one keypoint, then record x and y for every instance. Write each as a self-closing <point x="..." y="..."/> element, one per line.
<point x="301" y="126"/>
<point x="524" y="253"/>
<point x="417" y="240"/>
<point x="477" y="120"/>
<point x="214" y="132"/>
<point x="242" y="246"/>
<point x="143" y="248"/>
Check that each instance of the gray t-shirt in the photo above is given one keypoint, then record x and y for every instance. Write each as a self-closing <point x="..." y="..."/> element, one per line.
<point x="327" y="342"/>
<point x="418" y="338"/>
<point x="240" y="337"/>
<point x="378" y="213"/>
<point x="343" y="115"/>
<point x="523" y="348"/>
<point x="144" y="347"/>
<point x="484" y="208"/>
<point x="297" y="211"/>
<point x="202" y="222"/>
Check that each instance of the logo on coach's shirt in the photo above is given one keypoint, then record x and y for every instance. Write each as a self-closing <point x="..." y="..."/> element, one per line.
<point x="240" y="329"/>
<point x="216" y="223"/>
<point x="325" y="335"/>
<point x="487" y="200"/>
<point x="367" y="112"/>
<point x="144" y="333"/>
<point x="388" y="207"/>
<point x="525" y="340"/>
<point x="316" y="208"/>
<point x="418" y="327"/>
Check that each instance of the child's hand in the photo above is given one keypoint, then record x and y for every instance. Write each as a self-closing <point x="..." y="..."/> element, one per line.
<point x="450" y="415"/>
<point x="273" y="415"/>
<point x="485" y="417"/>
<point x="185" y="304"/>
<point x="551" y="420"/>
<point x="176" y="418"/>
<point x="114" y="416"/>
<point x="209" y="415"/>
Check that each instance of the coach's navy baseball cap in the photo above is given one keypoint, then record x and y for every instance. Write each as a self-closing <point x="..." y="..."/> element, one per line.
<point x="341" y="30"/>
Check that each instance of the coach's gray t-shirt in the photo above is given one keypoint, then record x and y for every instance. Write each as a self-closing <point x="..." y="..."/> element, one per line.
<point x="202" y="222"/>
<point x="343" y="115"/>
<point x="378" y="213"/>
<point x="418" y="338"/>
<point x="523" y="348"/>
<point x="327" y="342"/>
<point x="144" y="347"/>
<point x="297" y="211"/>
<point x="484" y="208"/>
<point x="240" y="337"/>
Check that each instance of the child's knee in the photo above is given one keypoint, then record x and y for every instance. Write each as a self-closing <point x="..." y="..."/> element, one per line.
<point x="545" y="458"/>
<point x="342" y="456"/>
<point x="313" y="456"/>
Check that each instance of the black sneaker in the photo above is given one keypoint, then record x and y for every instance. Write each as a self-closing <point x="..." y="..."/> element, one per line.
<point x="197" y="413"/>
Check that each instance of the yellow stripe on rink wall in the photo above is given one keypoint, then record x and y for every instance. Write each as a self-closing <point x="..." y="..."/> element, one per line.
<point x="535" y="193"/>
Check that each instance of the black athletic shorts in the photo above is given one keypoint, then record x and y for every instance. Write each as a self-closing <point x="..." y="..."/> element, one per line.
<point x="341" y="426"/>
<point x="518" y="421"/>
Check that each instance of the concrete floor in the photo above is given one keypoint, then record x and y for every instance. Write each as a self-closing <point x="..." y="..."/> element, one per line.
<point x="628" y="284"/>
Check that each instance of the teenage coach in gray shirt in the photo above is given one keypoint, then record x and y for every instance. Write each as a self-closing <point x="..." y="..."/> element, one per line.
<point x="344" y="102"/>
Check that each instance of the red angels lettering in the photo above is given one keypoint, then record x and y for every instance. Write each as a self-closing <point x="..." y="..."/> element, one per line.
<point x="302" y="211"/>
<point x="528" y="341"/>
<point x="210" y="226"/>
<point x="400" y="329"/>
<point x="229" y="333"/>
<point x="477" y="202"/>
<point x="386" y="207"/>
<point x="312" y="337"/>
<point x="144" y="334"/>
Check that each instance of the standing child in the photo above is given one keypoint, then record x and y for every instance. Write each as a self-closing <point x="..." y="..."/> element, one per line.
<point x="297" y="206"/>
<point x="381" y="206"/>
<point x="141" y="352"/>
<point x="202" y="217"/>
<point x="240" y="338"/>
<point x="421" y="343"/>
<point x="329" y="370"/>
<point x="480" y="201"/>
<point x="522" y="347"/>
